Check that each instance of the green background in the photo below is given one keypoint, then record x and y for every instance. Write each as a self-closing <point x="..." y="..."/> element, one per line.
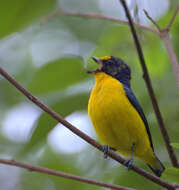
<point x="51" y="60"/>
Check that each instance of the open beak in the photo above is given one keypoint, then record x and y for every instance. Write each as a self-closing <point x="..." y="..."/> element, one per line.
<point x="98" y="61"/>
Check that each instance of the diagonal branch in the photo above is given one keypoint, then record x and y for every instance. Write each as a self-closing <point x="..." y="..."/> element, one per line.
<point x="172" y="55"/>
<point x="173" y="18"/>
<point x="147" y="79"/>
<point x="79" y="133"/>
<point x="93" y="16"/>
<point x="164" y="34"/>
<point x="61" y="174"/>
<point x="153" y="21"/>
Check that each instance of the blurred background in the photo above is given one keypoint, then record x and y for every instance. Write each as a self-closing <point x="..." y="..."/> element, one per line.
<point x="50" y="58"/>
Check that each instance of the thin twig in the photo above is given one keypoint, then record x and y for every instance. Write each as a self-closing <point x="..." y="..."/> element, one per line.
<point x="61" y="174"/>
<point x="147" y="79"/>
<point x="113" y="19"/>
<point x="79" y="133"/>
<point x="151" y="19"/>
<point x="173" y="18"/>
<point x="93" y="16"/>
<point x="172" y="56"/>
<point x="164" y="34"/>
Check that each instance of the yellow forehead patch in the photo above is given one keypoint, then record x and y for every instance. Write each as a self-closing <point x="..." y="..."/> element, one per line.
<point x="105" y="58"/>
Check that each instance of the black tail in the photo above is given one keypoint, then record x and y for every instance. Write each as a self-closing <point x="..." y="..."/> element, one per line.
<point x="159" y="169"/>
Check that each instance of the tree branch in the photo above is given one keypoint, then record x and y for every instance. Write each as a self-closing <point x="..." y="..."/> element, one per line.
<point x="93" y="16"/>
<point x="157" y="31"/>
<point x="61" y="174"/>
<point x="79" y="133"/>
<point x="164" y="34"/>
<point x="147" y="79"/>
<point x="172" y="19"/>
<point x="172" y="55"/>
<point x="113" y="19"/>
<point x="151" y="19"/>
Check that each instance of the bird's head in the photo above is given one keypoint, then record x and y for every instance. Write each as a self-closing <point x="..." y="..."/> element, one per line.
<point x="114" y="67"/>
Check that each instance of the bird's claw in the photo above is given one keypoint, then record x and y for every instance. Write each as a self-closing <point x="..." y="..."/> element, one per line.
<point x="106" y="149"/>
<point x="129" y="163"/>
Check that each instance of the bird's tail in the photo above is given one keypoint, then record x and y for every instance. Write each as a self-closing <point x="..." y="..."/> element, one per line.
<point x="158" y="169"/>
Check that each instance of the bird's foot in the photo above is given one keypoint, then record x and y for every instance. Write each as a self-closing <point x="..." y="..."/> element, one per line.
<point x="106" y="149"/>
<point x="129" y="163"/>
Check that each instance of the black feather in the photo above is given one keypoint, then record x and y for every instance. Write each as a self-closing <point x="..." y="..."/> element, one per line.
<point x="135" y="103"/>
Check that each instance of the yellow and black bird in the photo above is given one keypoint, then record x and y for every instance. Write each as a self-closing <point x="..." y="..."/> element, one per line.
<point x="117" y="116"/>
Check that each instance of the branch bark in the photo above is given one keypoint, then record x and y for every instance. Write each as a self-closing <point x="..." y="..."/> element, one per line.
<point x="173" y="18"/>
<point x="173" y="58"/>
<point x="79" y="133"/>
<point x="61" y="174"/>
<point x="93" y="16"/>
<point x="164" y="34"/>
<point x="147" y="79"/>
<point x="157" y="31"/>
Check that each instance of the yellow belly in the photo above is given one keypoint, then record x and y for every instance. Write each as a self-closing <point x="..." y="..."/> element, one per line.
<point x="115" y="120"/>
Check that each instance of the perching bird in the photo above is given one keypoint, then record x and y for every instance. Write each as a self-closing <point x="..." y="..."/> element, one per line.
<point x="116" y="115"/>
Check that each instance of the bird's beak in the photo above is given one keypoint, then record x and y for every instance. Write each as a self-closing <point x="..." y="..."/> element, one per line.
<point x="99" y="62"/>
<point x="96" y="59"/>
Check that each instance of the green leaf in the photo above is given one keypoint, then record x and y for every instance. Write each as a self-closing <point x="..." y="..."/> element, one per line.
<point x="59" y="162"/>
<point x="171" y="174"/>
<point x="86" y="30"/>
<point x="19" y="13"/>
<point x="46" y="123"/>
<point x="115" y="41"/>
<point x="65" y="163"/>
<point x="175" y="145"/>
<point x="58" y="75"/>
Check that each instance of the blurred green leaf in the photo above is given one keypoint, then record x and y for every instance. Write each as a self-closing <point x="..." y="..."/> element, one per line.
<point x="115" y="41"/>
<point x="23" y="76"/>
<point x="82" y="28"/>
<point x="59" y="162"/>
<point x="17" y="14"/>
<point x="89" y="37"/>
<point x="175" y="145"/>
<point x="40" y="181"/>
<point x="58" y="75"/>
<point x="155" y="55"/>
<point x="171" y="174"/>
<point x="134" y="180"/>
<point x="46" y="123"/>
<point x="85" y="30"/>
<point x="65" y="163"/>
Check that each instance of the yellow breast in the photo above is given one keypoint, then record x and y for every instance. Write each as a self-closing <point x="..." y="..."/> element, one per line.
<point x="115" y="120"/>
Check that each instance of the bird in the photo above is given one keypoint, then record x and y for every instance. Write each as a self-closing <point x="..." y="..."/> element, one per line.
<point x="117" y="116"/>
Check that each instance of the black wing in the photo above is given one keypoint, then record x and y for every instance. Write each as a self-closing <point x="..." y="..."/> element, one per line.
<point x="137" y="106"/>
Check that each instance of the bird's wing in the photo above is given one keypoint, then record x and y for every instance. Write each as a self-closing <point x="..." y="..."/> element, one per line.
<point x="137" y="106"/>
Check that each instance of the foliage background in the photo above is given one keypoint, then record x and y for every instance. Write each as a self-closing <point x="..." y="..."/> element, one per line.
<point x="51" y="60"/>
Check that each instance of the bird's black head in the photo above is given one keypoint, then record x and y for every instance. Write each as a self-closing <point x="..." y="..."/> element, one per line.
<point x="114" y="67"/>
